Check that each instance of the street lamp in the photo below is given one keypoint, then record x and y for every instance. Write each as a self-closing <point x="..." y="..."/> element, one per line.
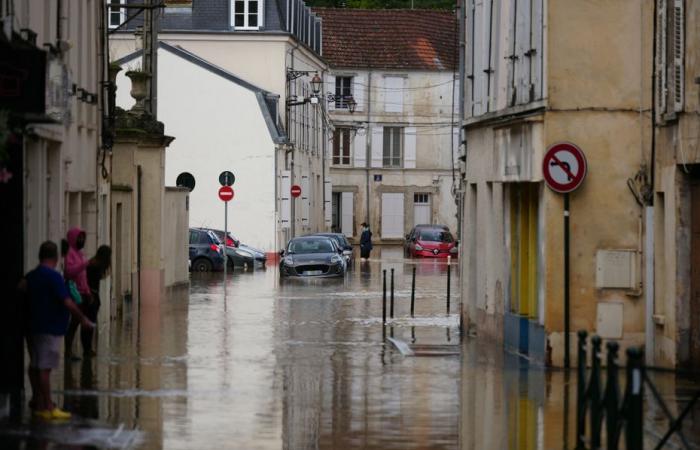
<point x="316" y="84"/>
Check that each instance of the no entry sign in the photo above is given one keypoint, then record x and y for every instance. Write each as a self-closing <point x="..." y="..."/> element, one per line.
<point x="296" y="191"/>
<point x="226" y="193"/>
<point x="564" y="167"/>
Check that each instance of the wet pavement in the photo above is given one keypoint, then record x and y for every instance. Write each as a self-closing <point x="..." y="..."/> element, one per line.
<point x="303" y="364"/>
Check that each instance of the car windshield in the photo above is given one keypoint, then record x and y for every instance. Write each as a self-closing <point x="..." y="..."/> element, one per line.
<point x="311" y="246"/>
<point x="435" y="236"/>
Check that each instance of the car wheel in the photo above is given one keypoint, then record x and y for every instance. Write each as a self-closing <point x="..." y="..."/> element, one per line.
<point x="202" y="265"/>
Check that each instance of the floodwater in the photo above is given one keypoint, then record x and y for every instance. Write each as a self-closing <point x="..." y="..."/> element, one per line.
<point x="304" y="364"/>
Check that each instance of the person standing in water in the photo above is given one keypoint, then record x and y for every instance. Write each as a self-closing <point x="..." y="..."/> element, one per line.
<point x="365" y="242"/>
<point x="75" y="270"/>
<point x="49" y="307"/>
<point x="97" y="269"/>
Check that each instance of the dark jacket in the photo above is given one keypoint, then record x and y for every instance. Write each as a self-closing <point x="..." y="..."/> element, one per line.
<point x="366" y="239"/>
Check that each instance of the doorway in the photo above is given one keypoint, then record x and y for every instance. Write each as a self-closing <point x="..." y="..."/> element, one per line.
<point x="421" y="209"/>
<point x="392" y="216"/>
<point x="694" y="326"/>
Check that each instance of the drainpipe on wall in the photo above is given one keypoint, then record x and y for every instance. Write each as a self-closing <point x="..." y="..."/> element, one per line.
<point x="368" y="137"/>
<point x="459" y="196"/>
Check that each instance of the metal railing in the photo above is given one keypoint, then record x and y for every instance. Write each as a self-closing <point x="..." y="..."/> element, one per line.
<point x="624" y="415"/>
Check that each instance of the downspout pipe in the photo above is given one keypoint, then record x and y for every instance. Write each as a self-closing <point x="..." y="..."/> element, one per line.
<point x="368" y="137"/>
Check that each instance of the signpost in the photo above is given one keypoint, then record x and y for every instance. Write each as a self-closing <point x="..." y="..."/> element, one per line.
<point x="564" y="168"/>
<point x="226" y="194"/>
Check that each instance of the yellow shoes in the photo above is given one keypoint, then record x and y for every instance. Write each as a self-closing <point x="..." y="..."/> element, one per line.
<point x="54" y="414"/>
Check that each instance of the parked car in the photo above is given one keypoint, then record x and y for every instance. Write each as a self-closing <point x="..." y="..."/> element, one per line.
<point x="312" y="256"/>
<point x="342" y="242"/>
<point x="414" y="230"/>
<point x="206" y="251"/>
<point x="431" y="242"/>
<point x="239" y="254"/>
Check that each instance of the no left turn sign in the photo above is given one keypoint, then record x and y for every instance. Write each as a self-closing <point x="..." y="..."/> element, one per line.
<point x="564" y="167"/>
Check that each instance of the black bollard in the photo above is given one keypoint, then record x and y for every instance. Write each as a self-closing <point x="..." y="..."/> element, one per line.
<point x="581" y="391"/>
<point x="612" y="397"/>
<point x="391" y="310"/>
<point x="594" y="393"/>
<point x="634" y="417"/>
<point x="449" y="275"/>
<point x="413" y="292"/>
<point x="384" y="300"/>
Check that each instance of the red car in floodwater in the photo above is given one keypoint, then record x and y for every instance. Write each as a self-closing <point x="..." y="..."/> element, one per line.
<point x="431" y="242"/>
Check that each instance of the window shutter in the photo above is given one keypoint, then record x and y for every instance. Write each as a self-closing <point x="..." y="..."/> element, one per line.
<point x="328" y="203"/>
<point x="359" y="150"/>
<point x="358" y="91"/>
<point x="536" y="51"/>
<point x="522" y="46"/>
<point x="285" y="198"/>
<point x="478" y="74"/>
<point x="305" y="202"/>
<point x="661" y="39"/>
<point x="377" y="146"/>
<point x="347" y="213"/>
<point x="409" y="148"/>
<point x="330" y="87"/>
<point x="678" y="50"/>
<point x="393" y="94"/>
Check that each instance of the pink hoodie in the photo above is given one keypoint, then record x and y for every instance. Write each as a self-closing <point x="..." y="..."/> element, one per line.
<point x="75" y="262"/>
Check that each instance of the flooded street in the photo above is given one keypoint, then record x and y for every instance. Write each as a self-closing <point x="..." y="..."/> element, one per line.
<point x="303" y="365"/>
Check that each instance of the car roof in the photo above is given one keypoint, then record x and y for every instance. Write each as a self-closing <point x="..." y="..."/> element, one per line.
<point x="310" y="237"/>
<point x="425" y="225"/>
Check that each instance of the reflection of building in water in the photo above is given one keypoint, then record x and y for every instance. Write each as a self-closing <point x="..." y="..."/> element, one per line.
<point x="508" y="405"/>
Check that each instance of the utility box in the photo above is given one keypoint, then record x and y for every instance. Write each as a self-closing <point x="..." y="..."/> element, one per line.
<point x="616" y="269"/>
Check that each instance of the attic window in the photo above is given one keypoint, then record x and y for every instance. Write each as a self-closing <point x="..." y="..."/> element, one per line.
<point x="247" y="14"/>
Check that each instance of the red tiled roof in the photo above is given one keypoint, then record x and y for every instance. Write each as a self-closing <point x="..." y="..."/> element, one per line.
<point x="389" y="38"/>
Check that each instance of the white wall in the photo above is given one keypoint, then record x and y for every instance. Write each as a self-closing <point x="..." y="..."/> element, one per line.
<point x="217" y="126"/>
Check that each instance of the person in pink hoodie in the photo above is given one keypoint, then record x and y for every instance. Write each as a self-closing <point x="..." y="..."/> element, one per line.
<point x="74" y="269"/>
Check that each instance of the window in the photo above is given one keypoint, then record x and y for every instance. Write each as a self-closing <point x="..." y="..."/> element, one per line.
<point x="343" y="90"/>
<point x="341" y="146"/>
<point x="247" y="14"/>
<point x="392" y="148"/>
<point x="670" y="48"/>
<point x="116" y="15"/>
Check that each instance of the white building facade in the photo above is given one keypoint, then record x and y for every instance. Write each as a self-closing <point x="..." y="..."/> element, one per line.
<point x="393" y="149"/>
<point x="276" y="51"/>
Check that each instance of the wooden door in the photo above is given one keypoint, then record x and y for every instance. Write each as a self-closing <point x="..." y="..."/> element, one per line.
<point x="695" y="274"/>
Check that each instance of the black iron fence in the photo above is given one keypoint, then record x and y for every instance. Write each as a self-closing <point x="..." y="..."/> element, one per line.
<point x="601" y="403"/>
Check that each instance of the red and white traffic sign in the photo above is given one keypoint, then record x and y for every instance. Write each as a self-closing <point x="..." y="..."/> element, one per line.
<point x="564" y="167"/>
<point x="296" y="191"/>
<point x="226" y="193"/>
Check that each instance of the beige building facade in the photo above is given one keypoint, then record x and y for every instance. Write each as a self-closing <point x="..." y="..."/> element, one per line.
<point x="674" y="309"/>
<point x="551" y="72"/>
<point x="393" y="149"/>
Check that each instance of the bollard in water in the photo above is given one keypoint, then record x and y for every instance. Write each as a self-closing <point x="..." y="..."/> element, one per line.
<point x="594" y="393"/>
<point x="581" y="391"/>
<point x="413" y="292"/>
<point x="391" y="310"/>
<point x="634" y="417"/>
<point x="384" y="300"/>
<point x="449" y="275"/>
<point x="612" y="397"/>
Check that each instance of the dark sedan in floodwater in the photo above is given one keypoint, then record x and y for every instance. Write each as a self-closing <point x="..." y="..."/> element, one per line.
<point x="312" y="256"/>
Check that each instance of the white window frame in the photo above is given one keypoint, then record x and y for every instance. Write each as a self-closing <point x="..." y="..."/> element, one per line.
<point x="122" y="13"/>
<point x="340" y="102"/>
<point x="338" y="133"/>
<point x="392" y="156"/>
<point x="246" y="14"/>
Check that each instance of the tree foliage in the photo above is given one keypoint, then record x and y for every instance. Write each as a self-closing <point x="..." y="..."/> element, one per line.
<point x="384" y="4"/>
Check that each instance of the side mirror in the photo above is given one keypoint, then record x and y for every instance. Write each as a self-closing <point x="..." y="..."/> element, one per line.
<point x="347" y="252"/>
<point x="281" y="252"/>
<point x="237" y="243"/>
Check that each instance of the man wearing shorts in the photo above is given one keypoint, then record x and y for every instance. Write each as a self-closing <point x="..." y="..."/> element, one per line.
<point x="49" y="308"/>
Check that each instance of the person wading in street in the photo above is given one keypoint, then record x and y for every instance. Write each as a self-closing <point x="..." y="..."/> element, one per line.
<point x="75" y="270"/>
<point x="49" y="307"/>
<point x="96" y="270"/>
<point x="365" y="242"/>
